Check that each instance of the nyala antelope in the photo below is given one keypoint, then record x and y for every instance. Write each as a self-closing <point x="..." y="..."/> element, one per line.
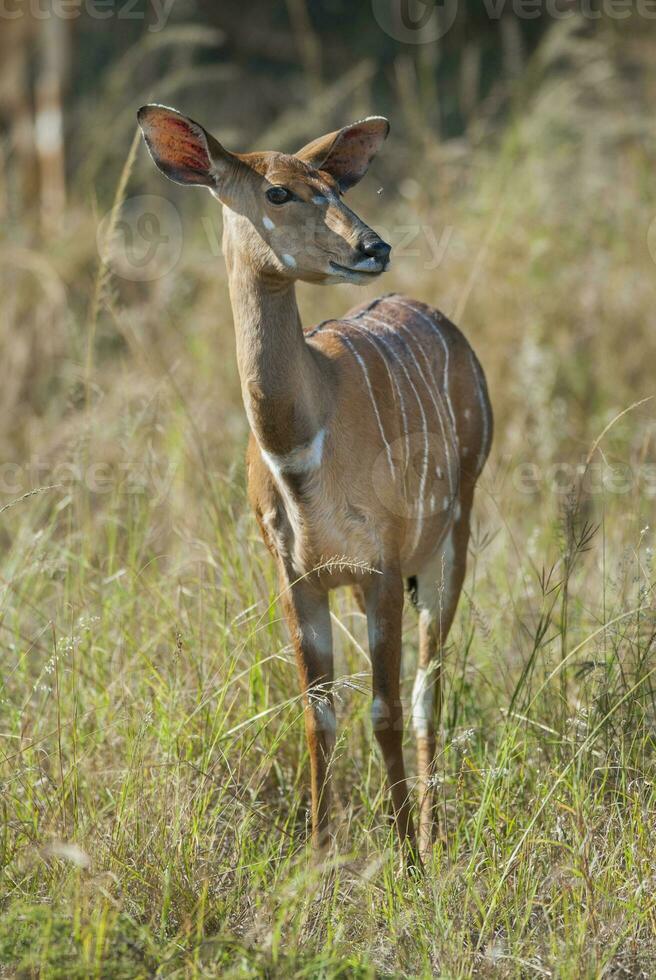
<point x="368" y="433"/>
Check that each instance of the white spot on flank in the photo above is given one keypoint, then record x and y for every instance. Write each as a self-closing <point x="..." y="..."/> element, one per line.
<point x="467" y="413"/>
<point x="268" y="223"/>
<point x="289" y="261"/>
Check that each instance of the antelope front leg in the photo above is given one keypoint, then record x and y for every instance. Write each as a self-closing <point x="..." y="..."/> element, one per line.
<point x="308" y="615"/>
<point x="384" y="606"/>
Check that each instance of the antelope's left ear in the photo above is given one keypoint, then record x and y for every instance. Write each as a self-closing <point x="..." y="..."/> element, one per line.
<point x="347" y="153"/>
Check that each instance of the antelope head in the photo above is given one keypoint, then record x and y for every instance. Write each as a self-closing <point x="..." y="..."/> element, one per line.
<point x="284" y="213"/>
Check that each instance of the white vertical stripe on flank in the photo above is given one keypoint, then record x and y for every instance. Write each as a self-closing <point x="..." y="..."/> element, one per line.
<point x="436" y="330"/>
<point x="424" y="474"/>
<point x="396" y="389"/>
<point x="436" y="389"/>
<point x="396" y="329"/>
<point x="345" y="340"/>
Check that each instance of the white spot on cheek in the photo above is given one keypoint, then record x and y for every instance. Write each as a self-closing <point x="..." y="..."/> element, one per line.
<point x="268" y="223"/>
<point x="289" y="261"/>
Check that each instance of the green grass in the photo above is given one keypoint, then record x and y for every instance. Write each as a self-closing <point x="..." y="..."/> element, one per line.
<point x="154" y="777"/>
<point x="151" y="718"/>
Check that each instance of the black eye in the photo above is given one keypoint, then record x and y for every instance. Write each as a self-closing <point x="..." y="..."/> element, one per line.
<point x="279" y="195"/>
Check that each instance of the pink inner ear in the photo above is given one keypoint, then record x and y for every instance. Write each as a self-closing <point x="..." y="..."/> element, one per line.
<point x="176" y="143"/>
<point x="355" y="148"/>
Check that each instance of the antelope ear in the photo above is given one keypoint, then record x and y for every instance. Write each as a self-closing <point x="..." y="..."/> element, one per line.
<point x="347" y="153"/>
<point x="182" y="149"/>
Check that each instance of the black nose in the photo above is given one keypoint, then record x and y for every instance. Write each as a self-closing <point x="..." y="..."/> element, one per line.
<point x="374" y="248"/>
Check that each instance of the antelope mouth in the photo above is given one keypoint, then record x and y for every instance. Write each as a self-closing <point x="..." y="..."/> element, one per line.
<point x="371" y="268"/>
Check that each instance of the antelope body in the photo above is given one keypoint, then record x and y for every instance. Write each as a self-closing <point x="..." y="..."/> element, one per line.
<point x="368" y="433"/>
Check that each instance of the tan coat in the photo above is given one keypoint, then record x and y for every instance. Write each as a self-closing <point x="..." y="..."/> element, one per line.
<point x="368" y="432"/>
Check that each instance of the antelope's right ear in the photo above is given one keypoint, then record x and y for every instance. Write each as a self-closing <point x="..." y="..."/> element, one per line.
<point x="182" y="149"/>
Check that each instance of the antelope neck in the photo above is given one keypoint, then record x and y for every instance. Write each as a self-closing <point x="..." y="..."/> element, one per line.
<point x="284" y="385"/>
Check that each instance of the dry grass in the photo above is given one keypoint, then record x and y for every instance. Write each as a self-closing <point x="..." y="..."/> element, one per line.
<point x="154" y="794"/>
